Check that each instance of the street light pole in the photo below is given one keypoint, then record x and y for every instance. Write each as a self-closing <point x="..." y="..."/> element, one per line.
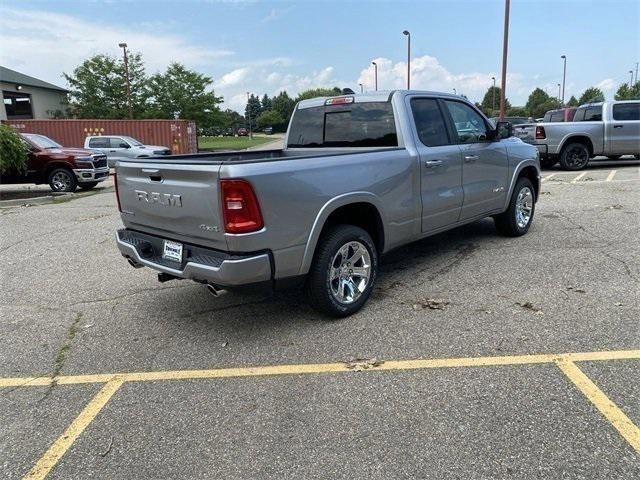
<point x="558" y="92"/>
<point x="631" y="81"/>
<point x="454" y="91"/>
<point x="406" y="32"/>
<point x="564" y="76"/>
<point x="361" y="88"/>
<point x="123" y="46"/>
<point x="636" y="72"/>
<point x="493" y="96"/>
<point x="375" y="68"/>
<point x="505" y="47"/>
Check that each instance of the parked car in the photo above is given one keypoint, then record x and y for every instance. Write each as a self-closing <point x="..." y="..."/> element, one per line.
<point x="64" y="169"/>
<point x="268" y="130"/>
<point x="119" y="147"/>
<point x="513" y="120"/>
<point x="560" y="115"/>
<point x="243" y="132"/>
<point x="604" y="128"/>
<point x="359" y="175"/>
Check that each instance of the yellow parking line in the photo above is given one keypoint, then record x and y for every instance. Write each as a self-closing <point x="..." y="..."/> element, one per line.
<point x="575" y="180"/>
<point x="611" y="175"/>
<point x="62" y="444"/>
<point x="310" y="368"/>
<point x="629" y="431"/>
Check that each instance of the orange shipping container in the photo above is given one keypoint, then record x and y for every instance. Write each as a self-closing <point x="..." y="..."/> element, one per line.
<point x="178" y="135"/>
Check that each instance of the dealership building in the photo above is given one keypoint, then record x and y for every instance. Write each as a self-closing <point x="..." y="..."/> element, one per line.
<point x="25" y="97"/>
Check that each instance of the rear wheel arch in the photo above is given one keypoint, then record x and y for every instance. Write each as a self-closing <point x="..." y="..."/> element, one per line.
<point x="578" y="139"/>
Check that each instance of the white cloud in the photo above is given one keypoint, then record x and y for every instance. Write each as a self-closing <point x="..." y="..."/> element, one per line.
<point x="607" y="85"/>
<point x="45" y="44"/>
<point x="233" y="78"/>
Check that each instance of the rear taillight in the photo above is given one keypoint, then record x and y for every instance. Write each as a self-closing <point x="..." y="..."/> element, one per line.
<point x="115" y="182"/>
<point x="240" y="208"/>
<point x="540" y="133"/>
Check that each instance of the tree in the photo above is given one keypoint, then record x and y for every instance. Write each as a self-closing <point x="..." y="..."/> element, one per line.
<point x="591" y="94"/>
<point x="628" y="93"/>
<point x="543" y="108"/>
<point x="517" y="112"/>
<point x="182" y="93"/>
<point x="253" y="108"/>
<point x="487" y="103"/>
<point x="284" y="105"/>
<point x="318" y="92"/>
<point x="266" y="104"/>
<point x="13" y="151"/>
<point x="573" y="102"/>
<point x="270" y="118"/>
<point x="97" y="87"/>
<point x="536" y="98"/>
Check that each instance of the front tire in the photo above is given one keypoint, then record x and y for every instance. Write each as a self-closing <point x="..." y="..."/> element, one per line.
<point x="575" y="156"/>
<point x="343" y="272"/>
<point x="62" y="180"/>
<point x="516" y="220"/>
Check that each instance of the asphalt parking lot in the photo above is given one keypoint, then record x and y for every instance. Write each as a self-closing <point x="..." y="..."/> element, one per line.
<point x="477" y="357"/>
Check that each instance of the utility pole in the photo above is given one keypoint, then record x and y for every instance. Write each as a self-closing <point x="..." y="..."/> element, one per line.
<point x="249" y="115"/>
<point x="558" y="92"/>
<point x="454" y="91"/>
<point x="123" y="46"/>
<point x="375" y="69"/>
<point x="631" y="81"/>
<point x="636" y="72"/>
<point x="564" y="76"/>
<point x="406" y="32"/>
<point x="493" y="96"/>
<point x="361" y="88"/>
<point x="505" y="47"/>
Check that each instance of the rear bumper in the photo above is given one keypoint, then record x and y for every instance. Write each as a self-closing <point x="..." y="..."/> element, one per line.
<point x="543" y="149"/>
<point x="200" y="264"/>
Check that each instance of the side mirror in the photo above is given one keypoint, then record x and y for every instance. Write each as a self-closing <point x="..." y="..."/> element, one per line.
<point x="124" y="145"/>
<point x="504" y="130"/>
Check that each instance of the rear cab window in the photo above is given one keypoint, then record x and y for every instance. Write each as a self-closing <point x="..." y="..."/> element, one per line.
<point x="556" y="117"/>
<point x="588" y="114"/>
<point x="99" y="142"/>
<point x="626" y="111"/>
<point x="367" y="124"/>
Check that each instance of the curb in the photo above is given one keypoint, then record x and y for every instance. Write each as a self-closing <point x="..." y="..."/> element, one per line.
<point x="53" y="197"/>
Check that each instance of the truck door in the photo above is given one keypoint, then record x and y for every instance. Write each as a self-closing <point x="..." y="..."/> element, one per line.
<point x="118" y="150"/>
<point x="623" y="129"/>
<point x="440" y="165"/>
<point x="485" y="162"/>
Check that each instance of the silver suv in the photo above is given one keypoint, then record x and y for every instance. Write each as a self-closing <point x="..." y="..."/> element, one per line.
<point x="121" y="147"/>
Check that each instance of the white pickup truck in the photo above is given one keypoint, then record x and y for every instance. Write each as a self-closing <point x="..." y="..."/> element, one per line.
<point x="604" y="128"/>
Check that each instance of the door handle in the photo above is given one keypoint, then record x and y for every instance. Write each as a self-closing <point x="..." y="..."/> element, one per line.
<point x="432" y="163"/>
<point x="150" y="170"/>
<point x="112" y="151"/>
<point x="470" y="158"/>
<point x="618" y="126"/>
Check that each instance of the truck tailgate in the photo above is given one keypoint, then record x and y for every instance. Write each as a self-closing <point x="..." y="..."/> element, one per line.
<point x="177" y="201"/>
<point x="525" y="132"/>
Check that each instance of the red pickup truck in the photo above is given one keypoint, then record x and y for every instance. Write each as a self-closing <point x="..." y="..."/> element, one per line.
<point x="64" y="169"/>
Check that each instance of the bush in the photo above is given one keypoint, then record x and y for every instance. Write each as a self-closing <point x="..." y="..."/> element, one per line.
<point x="13" y="151"/>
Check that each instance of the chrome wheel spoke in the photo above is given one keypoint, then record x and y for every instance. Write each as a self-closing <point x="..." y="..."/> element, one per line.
<point x="350" y="272"/>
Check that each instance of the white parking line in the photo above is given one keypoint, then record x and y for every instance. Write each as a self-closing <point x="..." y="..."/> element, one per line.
<point x="579" y="177"/>
<point x="611" y="175"/>
<point x="548" y="177"/>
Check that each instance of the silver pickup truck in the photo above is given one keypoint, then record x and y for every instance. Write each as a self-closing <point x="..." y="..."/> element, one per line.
<point x="359" y="175"/>
<point x="604" y="128"/>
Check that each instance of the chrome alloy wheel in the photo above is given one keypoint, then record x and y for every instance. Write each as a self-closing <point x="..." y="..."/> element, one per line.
<point x="350" y="272"/>
<point x="524" y="207"/>
<point x="61" y="181"/>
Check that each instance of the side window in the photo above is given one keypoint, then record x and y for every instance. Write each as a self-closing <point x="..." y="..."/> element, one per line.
<point x="547" y="117"/>
<point x="557" y="117"/>
<point x="116" y="142"/>
<point x="469" y="124"/>
<point x="98" y="142"/>
<point x="593" y="114"/>
<point x="626" y="111"/>
<point x="579" y="115"/>
<point x="429" y="121"/>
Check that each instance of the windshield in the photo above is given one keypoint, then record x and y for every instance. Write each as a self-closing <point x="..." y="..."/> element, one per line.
<point x="133" y="141"/>
<point x="41" y="141"/>
<point x="369" y="124"/>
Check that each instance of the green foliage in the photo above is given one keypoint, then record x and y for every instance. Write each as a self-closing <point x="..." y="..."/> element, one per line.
<point x="591" y="94"/>
<point x="517" y="112"/>
<point x="318" y="92"/>
<point x="13" y="151"/>
<point x="628" y="93"/>
<point x="284" y="105"/>
<point x="573" y="102"/>
<point x="253" y="108"/>
<point x="270" y="118"/>
<point x="182" y="93"/>
<point x="98" y="87"/>
<point x="535" y="100"/>
<point x="544" y="107"/>
<point x="266" y="103"/>
<point x="487" y="103"/>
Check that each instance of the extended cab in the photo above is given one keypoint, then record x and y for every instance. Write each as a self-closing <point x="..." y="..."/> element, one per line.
<point x="604" y="128"/>
<point x="64" y="169"/>
<point x="121" y="147"/>
<point x="359" y="175"/>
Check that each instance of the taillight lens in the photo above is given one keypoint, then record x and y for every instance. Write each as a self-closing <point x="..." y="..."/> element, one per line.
<point x="115" y="182"/>
<point x="540" y="133"/>
<point x="240" y="207"/>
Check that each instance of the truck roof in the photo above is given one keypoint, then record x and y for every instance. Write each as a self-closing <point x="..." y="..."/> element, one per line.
<point x="376" y="96"/>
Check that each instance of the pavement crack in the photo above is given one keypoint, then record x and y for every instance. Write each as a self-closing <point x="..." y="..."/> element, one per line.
<point x="125" y="295"/>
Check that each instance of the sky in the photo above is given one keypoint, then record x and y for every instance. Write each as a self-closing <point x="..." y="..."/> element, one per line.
<point x="270" y="46"/>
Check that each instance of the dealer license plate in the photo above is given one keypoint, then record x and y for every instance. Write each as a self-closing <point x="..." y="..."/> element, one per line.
<point x="172" y="251"/>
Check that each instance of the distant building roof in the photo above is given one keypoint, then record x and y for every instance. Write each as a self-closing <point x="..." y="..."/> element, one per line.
<point x="11" y="76"/>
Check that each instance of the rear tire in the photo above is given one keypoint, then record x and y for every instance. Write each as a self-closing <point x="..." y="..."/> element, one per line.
<point x="516" y="220"/>
<point x="88" y="185"/>
<point x="574" y="156"/>
<point x="343" y="272"/>
<point x="62" y="180"/>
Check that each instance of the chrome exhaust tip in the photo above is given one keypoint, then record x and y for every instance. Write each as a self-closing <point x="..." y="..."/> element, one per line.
<point x="215" y="290"/>
<point x="134" y="264"/>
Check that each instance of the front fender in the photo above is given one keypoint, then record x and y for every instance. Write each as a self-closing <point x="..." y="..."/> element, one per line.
<point x="324" y="213"/>
<point x="516" y="172"/>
